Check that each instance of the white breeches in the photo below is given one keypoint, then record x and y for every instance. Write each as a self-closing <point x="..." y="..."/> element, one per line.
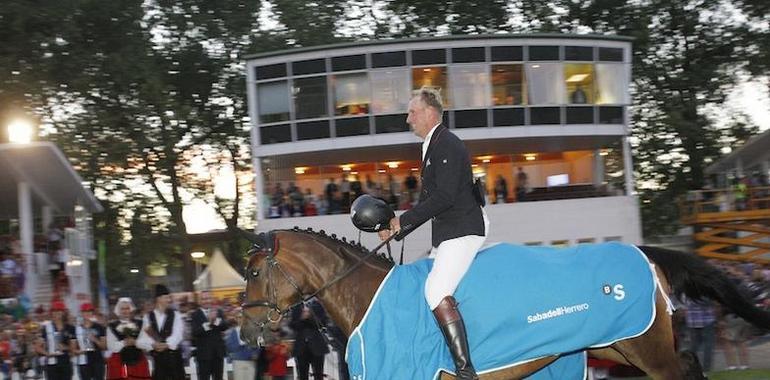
<point x="452" y="258"/>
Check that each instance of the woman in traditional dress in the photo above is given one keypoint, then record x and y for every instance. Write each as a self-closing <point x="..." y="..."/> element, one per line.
<point x="127" y="361"/>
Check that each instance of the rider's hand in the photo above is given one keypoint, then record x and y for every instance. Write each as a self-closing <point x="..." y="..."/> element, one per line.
<point x="395" y="227"/>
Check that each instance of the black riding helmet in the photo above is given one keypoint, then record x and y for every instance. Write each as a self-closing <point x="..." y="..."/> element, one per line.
<point x="371" y="214"/>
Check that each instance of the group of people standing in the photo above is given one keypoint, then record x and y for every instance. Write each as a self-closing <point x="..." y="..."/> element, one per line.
<point x="152" y="345"/>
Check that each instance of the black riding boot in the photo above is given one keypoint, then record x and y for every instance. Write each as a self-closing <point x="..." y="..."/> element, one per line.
<point x="451" y="322"/>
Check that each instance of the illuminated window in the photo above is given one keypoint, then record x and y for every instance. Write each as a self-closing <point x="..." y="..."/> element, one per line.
<point x="579" y="81"/>
<point x="611" y="83"/>
<point x="391" y="91"/>
<point x="434" y="77"/>
<point x="508" y="85"/>
<point x="544" y="83"/>
<point x="310" y="97"/>
<point x="273" y="101"/>
<point x="351" y="94"/>
<point x="469" y="86"/>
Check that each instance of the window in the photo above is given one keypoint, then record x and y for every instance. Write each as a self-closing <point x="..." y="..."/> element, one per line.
<point x="271" y="71"/>
<point x="391" y="91"/>
<point x="611" y="83"/>
<point x="469" y="86"/>
<point x="543" y="53"/>
<point x="351" y="94"/>
<point x="312" y="66"/>
<point x="391" y="123"/>
<point x="533" y="243"/>
<point x="350" y="62"/>
<point x="578" y="53"/>
<point x="470" y="118"/>
<point x="579" y="81"/>
<point x="428" y="57"/>
<point x="611" y="54"/>
<point x="508" y="85"/>
<point x="544" y="115"/>
<point x="613" y="238"/>
<point x="389" y="59"/>
<point x="275" y="134"/>
<point x="313" y="130"/>
<point x="434" y="77"/>
<point x="273" y="101"/>
<point x="310" y="97"/>
<point x="507" y="117"/>
<point x="467" y="55"/>
<point x="611" y="115"/>
<point x="352" y="126"/>
<point x="544" y="83"/>
<point x="580" y="115"/>
<point x="586" y="241"/>
<point x="507" y="53"/>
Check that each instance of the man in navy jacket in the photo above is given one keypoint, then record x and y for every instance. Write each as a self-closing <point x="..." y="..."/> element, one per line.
<point x="459" y="224"/>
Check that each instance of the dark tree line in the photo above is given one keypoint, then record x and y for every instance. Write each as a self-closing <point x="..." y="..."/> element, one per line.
<point x="136" y="92"/>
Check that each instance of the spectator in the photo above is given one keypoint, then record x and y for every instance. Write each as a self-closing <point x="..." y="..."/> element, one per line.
<point x="701" y="322"/>
<point x="127" y="361"/>
<point x="91" y="343"/>
<point x="331" y="194"/>
<point x="501" y="189"/>
<point x="277" y="354"/>
<point x="309" y="345"/>
<point x="208" y="324"/>
<point x="522" y="184"/>
<point x="356" y="188"/>
<point x="162" y="333"/>
<point x="242" y="355"/>
<point x="345" y="193"/>
<point x="58" y="341"/>
<point x="311" y="203"/>
<point x="411" y="186"/>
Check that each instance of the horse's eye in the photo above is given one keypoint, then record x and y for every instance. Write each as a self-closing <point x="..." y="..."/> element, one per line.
<point x="254" y="273"/>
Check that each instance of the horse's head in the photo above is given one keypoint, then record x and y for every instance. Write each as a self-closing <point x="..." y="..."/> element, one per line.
<point x="270" y="292"/>
<point x="289" y="267"/>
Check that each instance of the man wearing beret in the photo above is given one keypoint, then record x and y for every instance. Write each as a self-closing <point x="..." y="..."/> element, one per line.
<point x="161" y="335"/>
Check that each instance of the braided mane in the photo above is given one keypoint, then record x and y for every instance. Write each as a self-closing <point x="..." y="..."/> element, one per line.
<point x="354" y="247"/>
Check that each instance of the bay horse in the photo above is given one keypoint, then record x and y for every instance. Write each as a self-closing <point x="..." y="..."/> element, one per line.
<point x="289" y="266"/>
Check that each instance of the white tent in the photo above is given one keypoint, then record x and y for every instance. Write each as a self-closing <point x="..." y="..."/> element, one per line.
<point x="219" y="275"/>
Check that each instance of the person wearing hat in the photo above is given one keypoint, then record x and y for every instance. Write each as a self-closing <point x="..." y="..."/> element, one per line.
<point x="208" y="325"/>
<point x="91" y="341"/>
<point x="127" y="361"/>
<point x="161" y="335"/>
<point x="58" y="342"/>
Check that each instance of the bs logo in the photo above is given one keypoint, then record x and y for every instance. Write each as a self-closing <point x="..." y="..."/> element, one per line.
<point x="617" y="290"/>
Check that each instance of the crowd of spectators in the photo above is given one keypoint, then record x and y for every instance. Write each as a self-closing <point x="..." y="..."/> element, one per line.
<point x="742" y="193"/>
<point x="23" y="340"/>
<point x="338" y="195"/>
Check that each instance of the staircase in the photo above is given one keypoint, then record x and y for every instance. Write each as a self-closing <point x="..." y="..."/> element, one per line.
<point x="43" y="291"/>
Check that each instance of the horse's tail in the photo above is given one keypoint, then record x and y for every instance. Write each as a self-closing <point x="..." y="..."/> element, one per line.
<point x="692" y="276"/>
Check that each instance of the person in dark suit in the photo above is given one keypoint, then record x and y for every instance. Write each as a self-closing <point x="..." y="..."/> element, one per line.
<point x="310" y="347"/>
<point x="453" y="203"/>
<point x="208" y="326"/>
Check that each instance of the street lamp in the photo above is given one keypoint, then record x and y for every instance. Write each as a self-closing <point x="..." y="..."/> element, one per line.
<point x="196" y="258"/>
<point x="20" y="131"/>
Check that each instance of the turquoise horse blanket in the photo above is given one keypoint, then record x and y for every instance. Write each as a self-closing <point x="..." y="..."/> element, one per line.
<point x="519" y="304"/>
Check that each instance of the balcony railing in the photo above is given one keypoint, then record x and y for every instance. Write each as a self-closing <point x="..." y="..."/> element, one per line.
<point x="746" y="203"/>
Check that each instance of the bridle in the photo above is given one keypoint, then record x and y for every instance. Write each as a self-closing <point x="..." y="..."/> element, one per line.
<point x="267" y="244"/>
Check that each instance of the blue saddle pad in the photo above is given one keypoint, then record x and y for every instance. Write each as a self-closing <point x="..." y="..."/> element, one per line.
<point x="519" y="304"/>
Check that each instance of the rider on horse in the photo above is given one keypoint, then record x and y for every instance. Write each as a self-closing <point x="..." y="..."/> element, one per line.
<point x="459" y="224"/>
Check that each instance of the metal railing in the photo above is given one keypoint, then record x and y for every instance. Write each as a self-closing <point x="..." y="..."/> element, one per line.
<point x="734" y="199"/>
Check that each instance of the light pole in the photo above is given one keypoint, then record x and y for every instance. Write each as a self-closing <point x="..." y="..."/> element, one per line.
<point x="197" y="255"/>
